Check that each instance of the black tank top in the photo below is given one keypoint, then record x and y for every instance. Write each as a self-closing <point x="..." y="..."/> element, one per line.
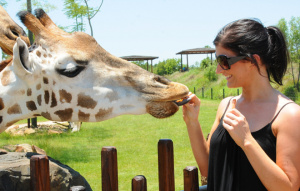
<point x="229" y="168"/>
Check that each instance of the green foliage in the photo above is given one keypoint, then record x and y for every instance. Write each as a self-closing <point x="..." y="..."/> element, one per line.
<point x="168" y="66"/>
<point x="74" y="10"/>
<point x="38" y="4"/>
<point x="3" y="3"/>
<point x="291" y="92"/>
<point x="80" y="10"/>
<point x="205" y="63"/>
<point x="210" y="73"/>
<point x="141" y="64"/>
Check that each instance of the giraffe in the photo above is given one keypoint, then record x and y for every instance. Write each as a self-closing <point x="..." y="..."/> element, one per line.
<point x="70" y="77"/>
<point x="9" y="31"/>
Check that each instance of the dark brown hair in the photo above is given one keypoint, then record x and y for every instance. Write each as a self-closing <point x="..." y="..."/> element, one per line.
<point x="248" y="37"/>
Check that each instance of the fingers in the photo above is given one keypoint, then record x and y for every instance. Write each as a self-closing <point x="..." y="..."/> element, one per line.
<point x="233" y="103"/>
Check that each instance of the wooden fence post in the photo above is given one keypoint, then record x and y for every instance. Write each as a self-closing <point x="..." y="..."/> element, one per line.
<point x="223" y="93"/>
<point x="39" y="173"/>
<point x="191" y="179"/>
<point x="109" y="168"/>
<point x="166" y="165"/>
<point x="139" y="183"/>
<point x="202" y="92"/>
<point x="211" y="93"/>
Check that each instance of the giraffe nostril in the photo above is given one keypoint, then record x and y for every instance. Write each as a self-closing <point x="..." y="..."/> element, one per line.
<point x="162" y="80"/>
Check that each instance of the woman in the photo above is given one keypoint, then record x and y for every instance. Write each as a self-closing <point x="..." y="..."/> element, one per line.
<point x="254" y="141"/>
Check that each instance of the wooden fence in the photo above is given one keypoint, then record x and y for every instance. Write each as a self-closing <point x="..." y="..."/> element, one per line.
<point x="40" y="177"/>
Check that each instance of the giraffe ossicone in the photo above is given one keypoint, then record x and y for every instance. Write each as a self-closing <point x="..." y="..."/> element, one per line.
<point x="70" y="77"/>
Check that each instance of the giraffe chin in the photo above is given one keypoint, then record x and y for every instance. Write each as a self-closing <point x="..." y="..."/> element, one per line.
<point x="161" y="109"/>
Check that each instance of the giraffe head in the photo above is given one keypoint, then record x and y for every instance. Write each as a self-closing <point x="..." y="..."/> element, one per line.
<point x="9" y="32"/>
<point x="70" y="77"/>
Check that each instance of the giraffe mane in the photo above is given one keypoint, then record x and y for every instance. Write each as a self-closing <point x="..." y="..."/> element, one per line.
<point x="5" y="63"/>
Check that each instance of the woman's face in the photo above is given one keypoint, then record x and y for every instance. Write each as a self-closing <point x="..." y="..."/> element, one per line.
<point x="237" y="75"/>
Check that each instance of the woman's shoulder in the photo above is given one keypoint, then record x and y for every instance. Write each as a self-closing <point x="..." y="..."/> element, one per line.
<point x="288" y="116"/>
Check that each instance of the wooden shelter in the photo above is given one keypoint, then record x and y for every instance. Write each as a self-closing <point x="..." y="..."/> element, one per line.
<point x="196" y="51"/>
<point x="140" y="58"/>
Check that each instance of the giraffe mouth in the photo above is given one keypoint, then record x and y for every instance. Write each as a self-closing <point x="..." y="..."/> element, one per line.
<point x="162" y="109"/>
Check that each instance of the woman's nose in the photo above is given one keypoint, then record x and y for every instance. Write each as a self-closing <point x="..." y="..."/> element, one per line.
<point x="219" y="70"/>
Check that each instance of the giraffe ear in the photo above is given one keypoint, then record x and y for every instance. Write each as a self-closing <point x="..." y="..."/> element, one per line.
<point x="21" y="56"/>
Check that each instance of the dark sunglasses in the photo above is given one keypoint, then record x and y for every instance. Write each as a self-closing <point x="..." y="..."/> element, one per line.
<point x="226" y="62"/>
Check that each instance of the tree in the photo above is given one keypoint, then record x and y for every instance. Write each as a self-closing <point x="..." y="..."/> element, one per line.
<point x="294" y="44"/>
<point x="283" y="26"/>
<point x="292" y="34"/>
<point x="38" y="4"/>
<point x="168" y="66"/>
<point x="91" y="12"/>
<point x="75" y="9"/>
<point x="3" y="3"/>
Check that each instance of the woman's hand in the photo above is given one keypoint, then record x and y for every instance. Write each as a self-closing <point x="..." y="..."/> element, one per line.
<point x="237" y="126"/>
<point x="191" y="109"/>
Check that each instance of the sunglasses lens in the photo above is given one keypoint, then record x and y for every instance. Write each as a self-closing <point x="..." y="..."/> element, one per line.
<point x="222" y="60"/>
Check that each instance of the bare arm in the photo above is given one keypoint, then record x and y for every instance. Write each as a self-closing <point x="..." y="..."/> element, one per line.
<point x="199" y="144"/>
<point x="285" y="173"/>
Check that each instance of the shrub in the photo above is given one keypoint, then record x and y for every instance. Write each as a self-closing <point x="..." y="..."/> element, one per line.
<point x="210" y="73"/>
<point x="291" y="92"/>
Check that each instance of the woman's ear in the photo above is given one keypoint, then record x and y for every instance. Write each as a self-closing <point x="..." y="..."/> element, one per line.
<point x="257" y="59"/>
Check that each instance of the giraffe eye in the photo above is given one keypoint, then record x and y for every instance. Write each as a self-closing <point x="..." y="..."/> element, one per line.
<point x="70" y="72"/>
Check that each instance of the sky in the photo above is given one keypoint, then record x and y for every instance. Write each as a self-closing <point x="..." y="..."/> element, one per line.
<point x="163" y="28"/>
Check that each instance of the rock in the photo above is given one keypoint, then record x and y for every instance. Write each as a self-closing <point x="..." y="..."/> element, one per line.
<point x="38" y="150"/>
<point x="10" y="148"/>
<point x="23" y="148"/>
<point x="15" y="174"/>
<point x="29" y="131"/>
<point x="50" y="132"/>
<point x="3" y="151"/>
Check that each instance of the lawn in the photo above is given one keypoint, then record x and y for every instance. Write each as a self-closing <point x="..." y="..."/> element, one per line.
<point x="135" y="138"/>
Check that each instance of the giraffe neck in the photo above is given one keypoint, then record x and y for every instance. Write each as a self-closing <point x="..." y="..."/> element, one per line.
<point x="15" y="101"/>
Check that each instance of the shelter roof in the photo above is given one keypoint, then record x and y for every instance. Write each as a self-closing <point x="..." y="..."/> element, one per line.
<point x="138" y="58"/>
<point x="198" y="51"/>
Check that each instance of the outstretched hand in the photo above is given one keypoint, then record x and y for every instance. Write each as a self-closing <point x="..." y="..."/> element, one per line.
<point x="191" y="109"/>
<point x="236" y="125"/>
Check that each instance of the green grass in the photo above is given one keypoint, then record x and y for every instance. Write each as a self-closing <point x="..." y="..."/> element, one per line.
<point x="135" y="138"/>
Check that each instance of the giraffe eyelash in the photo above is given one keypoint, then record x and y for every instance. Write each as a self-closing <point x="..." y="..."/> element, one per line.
<point x="70" y="72"/>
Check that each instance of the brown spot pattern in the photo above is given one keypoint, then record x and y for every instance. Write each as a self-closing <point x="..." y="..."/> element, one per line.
<point x="83" y="116"/>
<point x="31" y="105"/>
<point x="64" y="115"/>
<point x="65" y="96"/>
<point x="45" y="80"/>
<point x="45" y="55"/>
<point x="29" y="92"/>
<point x="39" y="99"/>
<point x="46" y="115"/>
<point x="1" y="119"/>
<point x="46" y="96"/>
<point x="11" y="123"/>
<point x="38" y="53"/>
<point x="102" y="113"/>
<point x="5" y="78"/>
<point x="15" y="109"/>
<point x="1" y="104"/>
<point x="38" y="87"/>
<point x="53" y="100"/>
<point x="86" y="101"/>
<point x="50" y="55"/>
